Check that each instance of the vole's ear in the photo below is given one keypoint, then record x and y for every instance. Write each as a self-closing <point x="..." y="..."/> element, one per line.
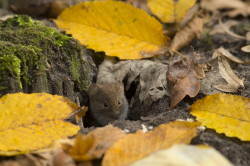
<point x="93" y="88"/>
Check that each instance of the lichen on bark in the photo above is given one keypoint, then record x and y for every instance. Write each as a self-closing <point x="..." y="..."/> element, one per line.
<point x="36" y="58"/>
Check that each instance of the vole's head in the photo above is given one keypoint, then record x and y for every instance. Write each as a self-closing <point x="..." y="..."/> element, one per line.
<point x="108" y="100"/>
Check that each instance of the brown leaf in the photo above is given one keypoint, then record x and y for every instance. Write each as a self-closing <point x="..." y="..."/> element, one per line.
<point x="183" y="79"/>
<point x="183" y="37"/>
<point x="95" y="144"/>
<point x="136" y="146"/>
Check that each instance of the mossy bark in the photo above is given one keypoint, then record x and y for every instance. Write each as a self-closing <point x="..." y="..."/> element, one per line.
<point x="35" y="58"/>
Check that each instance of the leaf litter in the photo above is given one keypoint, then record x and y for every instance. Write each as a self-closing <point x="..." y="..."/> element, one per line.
<point x="134" y="77"/>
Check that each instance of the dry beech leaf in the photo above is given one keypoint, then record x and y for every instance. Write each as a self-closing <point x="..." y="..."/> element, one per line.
<point x="236" y="7"/>
<point x="223" y="52"/>
<point x="151" y="78"/>
<point x="228" y="31"/>
<point x="170" y="11"/>
<point x="214" y="5"/>
<point x="117" y="28"/>
<point x="246" y="48"/>
<point x="136" y="146"/>
<point x="234" y="83"/>
<point x="227" y="25"/>
<point x="95" y="144"/>
<point x="183" y="37"/>
<point x="31" y="122"/>
<point x="248" y="36"/>
<point x="184" y="155"/>
<point x="183" y="79"/>
<point x="228" y="114"/>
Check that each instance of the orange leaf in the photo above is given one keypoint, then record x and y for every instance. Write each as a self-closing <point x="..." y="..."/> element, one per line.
<point x="136" y="146"/>
<point x="95" y="144"/>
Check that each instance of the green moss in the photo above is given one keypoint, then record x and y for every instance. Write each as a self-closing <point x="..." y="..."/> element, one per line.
<point x="28" y="47"/>
<point x="78" y="68"/>
<point x="23" y="43"/>
<point x="11" y="64"/>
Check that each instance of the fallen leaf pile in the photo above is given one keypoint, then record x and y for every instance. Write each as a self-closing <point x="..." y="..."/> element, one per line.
<point x="31" y="122"/>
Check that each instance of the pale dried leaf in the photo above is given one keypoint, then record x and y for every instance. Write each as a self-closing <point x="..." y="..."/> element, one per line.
<point x="246" y="48"/>
<point x="234" y="83"/>
<point x="151" y="75"/>
<point x="243" y="11"/>
<point x="192" y="30"/>
<point x="248" y="36"/>
<point x="223" y="52"/>
<point x="227" y="30"/>
<point x="184" y="155"/>
<point x="228" y="24"/>
<point x="226" y="88"/>
<point x="214" y="5"/>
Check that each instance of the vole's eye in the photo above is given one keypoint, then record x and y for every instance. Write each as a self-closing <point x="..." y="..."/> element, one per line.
<point x="118" y="102"/>
<point x="106" y="104"/>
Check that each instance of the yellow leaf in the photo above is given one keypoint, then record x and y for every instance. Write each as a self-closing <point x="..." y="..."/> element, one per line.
<point x="116" y="28"/>
<point x="33" y="121"/>
<point x="170" y="10"/>
<point x="136" y="146"/>
<point x="228" y="114"/>
<point x="95" y="144"/>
